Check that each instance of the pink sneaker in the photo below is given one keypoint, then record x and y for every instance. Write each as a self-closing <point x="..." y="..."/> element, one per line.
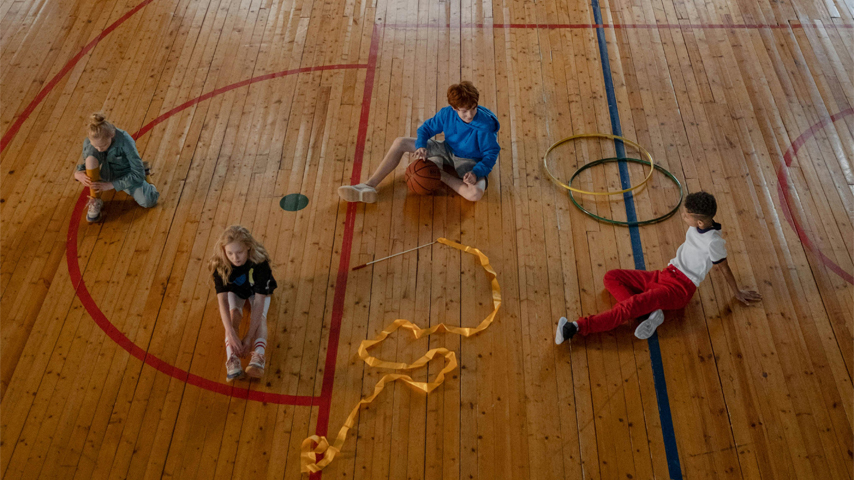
<point x="255" y="369"/>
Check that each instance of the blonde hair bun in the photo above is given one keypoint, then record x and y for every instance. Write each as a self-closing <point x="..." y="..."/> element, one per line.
<point x="99" y="128"/>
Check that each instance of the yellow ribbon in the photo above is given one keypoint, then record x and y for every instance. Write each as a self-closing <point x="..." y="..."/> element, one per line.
<point x="308" y="457"/>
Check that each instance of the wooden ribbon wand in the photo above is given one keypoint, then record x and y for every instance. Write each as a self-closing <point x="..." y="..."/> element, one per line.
<point x="392" y="256"/>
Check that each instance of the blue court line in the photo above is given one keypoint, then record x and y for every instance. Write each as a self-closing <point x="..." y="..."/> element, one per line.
<point x="667" y="431"/>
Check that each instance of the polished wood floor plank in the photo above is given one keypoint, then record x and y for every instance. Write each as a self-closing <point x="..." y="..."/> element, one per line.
<point x="719" y="93"/>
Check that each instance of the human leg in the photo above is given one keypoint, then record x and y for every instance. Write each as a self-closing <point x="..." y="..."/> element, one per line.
<point x="255" y="368"/>
<point x="648" y="326"/>
<point x="399" y="146"/>
<point x="656" y="297"/>
<point x="147" y="168"/>
<point x="235" y="311"/>
<point x="367" y="192"/>
<point x="471" y="193"/>
<point x="93" y="171"/>
<point x="232" y="364"/>
<point x="682" y="289"/>
<point x="146" y="195"/>
<point x="462" y="166"/>
<point x="258" y="328"/>
<point x="623" y="284"/>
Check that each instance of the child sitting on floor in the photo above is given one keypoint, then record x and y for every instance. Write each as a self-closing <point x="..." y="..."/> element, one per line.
<point x="111" y="161"/>
<point x="470" y="148"/>
<point x="640" y="293"/>
<point x="241" y="272"/>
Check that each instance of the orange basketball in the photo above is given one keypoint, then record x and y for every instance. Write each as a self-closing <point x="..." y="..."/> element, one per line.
<point x="423" y="177"/>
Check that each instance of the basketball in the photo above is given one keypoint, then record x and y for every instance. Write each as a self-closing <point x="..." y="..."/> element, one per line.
<point x="423" y="177"/>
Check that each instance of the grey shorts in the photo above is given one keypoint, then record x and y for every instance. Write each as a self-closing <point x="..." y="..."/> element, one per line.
<point x="439" y="153"/>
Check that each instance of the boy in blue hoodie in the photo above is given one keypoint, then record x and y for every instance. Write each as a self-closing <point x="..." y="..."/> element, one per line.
<point x="470" y="147"/>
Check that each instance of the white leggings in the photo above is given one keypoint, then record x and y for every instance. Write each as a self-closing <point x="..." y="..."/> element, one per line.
<point x="237" y="303"/>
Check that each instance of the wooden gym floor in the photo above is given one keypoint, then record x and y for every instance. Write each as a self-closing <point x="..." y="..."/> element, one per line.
<point x="112" y="359"/>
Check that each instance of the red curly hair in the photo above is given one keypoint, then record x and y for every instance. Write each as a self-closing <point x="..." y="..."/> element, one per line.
<point x="463" y="95"/>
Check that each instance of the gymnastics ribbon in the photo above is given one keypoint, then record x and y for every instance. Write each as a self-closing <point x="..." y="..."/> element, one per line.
<point x="309" y="455"/>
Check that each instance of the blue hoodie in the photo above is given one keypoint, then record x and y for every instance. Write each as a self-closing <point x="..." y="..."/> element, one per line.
<point x="477" y="140"/>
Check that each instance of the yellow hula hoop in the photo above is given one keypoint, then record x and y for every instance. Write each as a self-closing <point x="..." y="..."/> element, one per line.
<point x="598" y="135"/>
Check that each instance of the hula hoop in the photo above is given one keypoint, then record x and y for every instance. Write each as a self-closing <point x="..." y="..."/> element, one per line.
<point x="598" y="135"/>
<point x="635" y="223"/>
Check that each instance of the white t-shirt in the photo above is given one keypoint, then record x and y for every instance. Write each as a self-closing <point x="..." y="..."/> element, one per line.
<point x="702" y="249"/>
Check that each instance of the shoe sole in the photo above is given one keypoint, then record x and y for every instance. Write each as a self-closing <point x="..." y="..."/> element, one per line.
<point x="648" y="327"/>
<point x="559" y="332"/>
<point x="349" y="193"/>
<point x="254" y="371"/>
<point x="96" y="220"/>
<point x="234" y="376"/>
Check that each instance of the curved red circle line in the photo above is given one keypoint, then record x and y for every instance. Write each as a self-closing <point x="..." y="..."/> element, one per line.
<point x="123" y="341"/>
<point x="219" y="91"/>
<point x="785" y="193"/>
<point x="10" y="134"/>
<point x="120" y="338"/>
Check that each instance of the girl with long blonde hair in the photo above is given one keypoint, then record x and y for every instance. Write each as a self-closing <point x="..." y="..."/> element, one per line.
<point x="111" y="161"/>
<point x="241" y="272"/>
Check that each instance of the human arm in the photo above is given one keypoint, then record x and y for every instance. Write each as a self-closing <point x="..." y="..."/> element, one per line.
<point x="230" y="333"/>
<point x="743" y="296"/>
<point x="490" y="152"/>
<point x="263" y="284"/>
<point x="102" y="186"/>
<point x="80" y="176"/>
<point x="136" y="175"/>
<point x="428" y="130"/>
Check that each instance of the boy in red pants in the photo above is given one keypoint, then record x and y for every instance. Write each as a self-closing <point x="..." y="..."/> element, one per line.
<point x="645" y="294"/>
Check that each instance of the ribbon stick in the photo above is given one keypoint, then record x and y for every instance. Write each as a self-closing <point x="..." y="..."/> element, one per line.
<point x="309" y="454"/>
<point x="391" y="256"/>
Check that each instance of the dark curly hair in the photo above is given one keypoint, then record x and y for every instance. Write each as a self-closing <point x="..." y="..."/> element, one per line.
<point x="463" y="95"/>
<point x="702" y="204"/>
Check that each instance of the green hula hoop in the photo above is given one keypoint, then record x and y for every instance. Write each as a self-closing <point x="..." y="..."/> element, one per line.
<point x="617" y="222"/>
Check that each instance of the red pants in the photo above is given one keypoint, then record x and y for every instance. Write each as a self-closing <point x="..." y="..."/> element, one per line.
<point x="639" y="293"/>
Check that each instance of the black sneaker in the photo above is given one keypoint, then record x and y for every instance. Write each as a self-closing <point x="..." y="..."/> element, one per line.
<point x="565" y="330"/>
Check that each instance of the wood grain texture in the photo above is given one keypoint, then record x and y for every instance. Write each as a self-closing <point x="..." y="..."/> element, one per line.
<point x="723" y="95"/>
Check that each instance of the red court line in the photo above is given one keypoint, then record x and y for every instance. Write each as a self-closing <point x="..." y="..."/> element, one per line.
<point x="123" y="341"/>
<point x="10" y="134"/>
<point x="346" y="248"/>
<point x="785" y="193"/>
<point x="142" y="131"/>
<point x="617" y="26"/>
<point x="120" y="338"/>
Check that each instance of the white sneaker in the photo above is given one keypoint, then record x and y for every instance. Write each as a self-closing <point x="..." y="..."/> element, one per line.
<point x="358" y="193"/>
<point x="565" y="330"/>
<point x="648" y="326"/>
<point x="94" y="214"/>
<point x="233" y="369"/>
<point x="255" y="369"/>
